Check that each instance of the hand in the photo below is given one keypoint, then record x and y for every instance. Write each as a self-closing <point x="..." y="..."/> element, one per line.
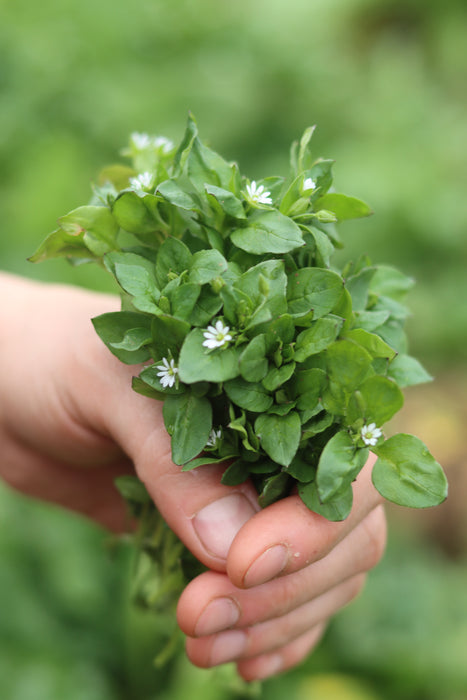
<point x="289" y="571"/>
<point x="70" y="423"/>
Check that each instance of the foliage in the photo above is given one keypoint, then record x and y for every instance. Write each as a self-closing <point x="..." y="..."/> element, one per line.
<point x="384" y="81"/>
<point x="262" y="351"/>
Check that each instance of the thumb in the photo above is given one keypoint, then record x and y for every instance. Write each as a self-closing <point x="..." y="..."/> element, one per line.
<point x="204" y="513"/>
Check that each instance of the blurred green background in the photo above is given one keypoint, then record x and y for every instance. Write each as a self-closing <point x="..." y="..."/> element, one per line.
<point x="385" y="82"/>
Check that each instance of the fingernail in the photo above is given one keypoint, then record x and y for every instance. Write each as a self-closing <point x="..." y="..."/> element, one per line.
<point x="227" y="647"/>
<point x="217" y="524"/>
<point x="268" y="565"/>
<point x="219" y="615"/>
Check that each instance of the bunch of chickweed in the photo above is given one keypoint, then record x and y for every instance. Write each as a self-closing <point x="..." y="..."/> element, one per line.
<point x="270" y="359"/>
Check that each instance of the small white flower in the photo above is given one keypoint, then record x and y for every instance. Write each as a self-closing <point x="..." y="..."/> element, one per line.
<point x="143" y="181"/>
<point x="308" y="185"/>
<point x="140" y="141"/>
<point x="370" y="434"/>
<point x="165" y="145"/>
<point x="216" y="336"/>
<point x="257" y="194"/>
<point x="214" y="437"/>
<point x="167" y="372"/>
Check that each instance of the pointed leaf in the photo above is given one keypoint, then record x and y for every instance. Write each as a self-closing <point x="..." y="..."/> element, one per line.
<point x="343" y="206"/>
<point x="339" y="465"/>
<point x="191" y="427"/>
<point x="407" y="474"/>
<point x="314" y="290"/>
<point x="268" y="232"/>
<point x="279" y="436"/>
<point x="198" y="364"/>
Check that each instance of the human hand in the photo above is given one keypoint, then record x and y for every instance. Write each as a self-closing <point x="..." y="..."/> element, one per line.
<point x="70" y="423"/>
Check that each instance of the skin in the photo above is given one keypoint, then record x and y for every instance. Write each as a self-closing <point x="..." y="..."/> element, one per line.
<point x="70" y="423"/>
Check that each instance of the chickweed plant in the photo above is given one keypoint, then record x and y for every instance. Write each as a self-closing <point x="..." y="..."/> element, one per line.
<point x="270" y="359"/>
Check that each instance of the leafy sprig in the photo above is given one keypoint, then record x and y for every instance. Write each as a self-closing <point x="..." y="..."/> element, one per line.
<point x="267" y="356"/>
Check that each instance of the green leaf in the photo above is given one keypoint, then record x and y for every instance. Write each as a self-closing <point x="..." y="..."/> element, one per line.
<point x="372" y="343"/>
<point x="251" y="397"/>
<point x="173" y="258"/>
<point x="371" y="320"/>
<point x="264" y="287"/>
<point x="113" y="327"/>
<point x="149" y="375"/>
<point x="279" y="436"/>
<point x="192" y="423"/>
<point x="183" y="300"/>
<point x="390" y="282"/>
<point x="268" y="232"/>
<point x="141" y="387"/>
<point x="377" y="400"/>
<point x="203" y="461"/>
<point x="304" y="151"/>
<point x="407" y="371"/>
<point x="359" y="286"/>
<point x="275" y="487"/>
<point x="301" y="470"/>
<point x="136" y="214"/>
<point x="168" y="334"/>
<point x="317" y="337"/>
<point x="253" y="363"/>
<point x="228" y="202"/>
<point x="407" y="474"/>
<point x="321" y="173"/>
<point x="60" y="244"/>
<point x="335" y="510"/>
<point x="343" y="206"/>
<point x="347" y="364"/>
<point x="314" y="290"/>
<point x="206" y="307"/>
<point x="134" y="339"/>
<point x="206" y="265"/>
<point x="184" y="149"/>
<point x="236" y="473"/>
<point x="98" y="225"/>
<point x="317" y="425"/>
<point x="339" y="465"/>
<point x="198" y="364"/>
<point x="175" y="194"/>
<point x="205" y="166"/>
<point x="308" y="385"/>
<point x="278" y="376"/>
<point x="324" y="247"/>
<point x="279" y="331"/>
<point x="129" y="258"/>
<point x="281" y="409"/>
<point x="136" y="280"/>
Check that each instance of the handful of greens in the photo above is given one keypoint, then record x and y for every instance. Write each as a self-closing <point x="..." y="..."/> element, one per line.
<point x="267" y="356"/>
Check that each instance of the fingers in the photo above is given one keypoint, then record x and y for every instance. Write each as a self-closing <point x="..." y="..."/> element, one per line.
<point x="273" y="635"/>
<point x="211" y="603"/>
<point x="266" y="665"/>
<point x="287" y="536"/>
<point x="270" y="628"/>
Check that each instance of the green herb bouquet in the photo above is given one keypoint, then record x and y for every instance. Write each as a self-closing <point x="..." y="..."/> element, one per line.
<point x="268" y="357"/>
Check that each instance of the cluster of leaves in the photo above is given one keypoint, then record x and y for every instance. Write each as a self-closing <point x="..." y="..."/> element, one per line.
<point x="267" y="356"/>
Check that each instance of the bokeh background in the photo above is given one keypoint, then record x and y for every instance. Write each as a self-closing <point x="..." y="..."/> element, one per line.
<point x="385" y="81"/>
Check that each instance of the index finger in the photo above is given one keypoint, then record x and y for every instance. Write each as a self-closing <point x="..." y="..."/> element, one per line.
<point x="287" y="536"/>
